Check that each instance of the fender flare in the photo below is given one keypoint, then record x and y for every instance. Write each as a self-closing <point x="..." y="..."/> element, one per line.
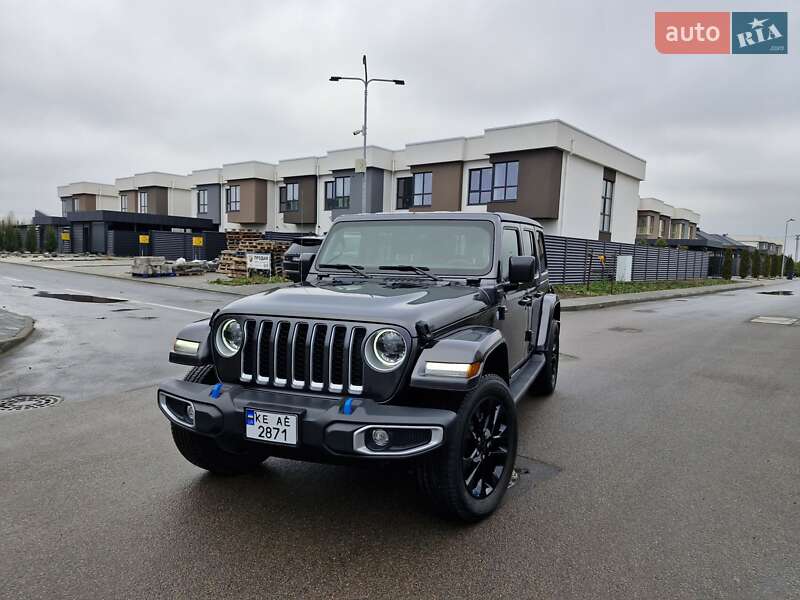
<point x="200" y="332"/>
<point x="551" y="305"/>
<point x="465" y="346"/>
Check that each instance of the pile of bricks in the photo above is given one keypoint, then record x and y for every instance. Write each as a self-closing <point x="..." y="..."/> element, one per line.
<point x="241" y="242"/>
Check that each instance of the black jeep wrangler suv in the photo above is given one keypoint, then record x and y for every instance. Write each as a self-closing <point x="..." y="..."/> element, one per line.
<point x="411" y="337"/>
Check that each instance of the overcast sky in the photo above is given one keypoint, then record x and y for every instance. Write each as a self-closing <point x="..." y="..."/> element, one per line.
<point x="98" y="90"/>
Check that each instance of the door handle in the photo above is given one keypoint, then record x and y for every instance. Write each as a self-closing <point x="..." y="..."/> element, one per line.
<point x="526" y="301"/>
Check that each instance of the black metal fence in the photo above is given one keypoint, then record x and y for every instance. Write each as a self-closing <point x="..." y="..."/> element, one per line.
<point x="574" y="260"/>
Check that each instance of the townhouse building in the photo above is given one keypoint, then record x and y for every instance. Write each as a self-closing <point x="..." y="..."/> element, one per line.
<point x="658" y="220"/>
<point x="87" y="195"/>
<point x="765" y="244"/>
<point x="575" y="184"/>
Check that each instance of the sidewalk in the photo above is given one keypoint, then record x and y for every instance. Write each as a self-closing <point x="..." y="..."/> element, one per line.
<point x="14" y="329"/>
<point x="620" y="299"/>
<point x="120" y="268"/>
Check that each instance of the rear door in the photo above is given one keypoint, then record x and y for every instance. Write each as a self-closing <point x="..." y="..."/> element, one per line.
<point x="533" y="297"/>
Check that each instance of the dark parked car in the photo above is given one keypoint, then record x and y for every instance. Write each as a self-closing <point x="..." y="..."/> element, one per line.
<point x="291" y="258"/>
<point x="412" y="338"/>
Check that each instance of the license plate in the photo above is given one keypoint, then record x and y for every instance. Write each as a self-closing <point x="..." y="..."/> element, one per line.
<point x="277" y="428"/>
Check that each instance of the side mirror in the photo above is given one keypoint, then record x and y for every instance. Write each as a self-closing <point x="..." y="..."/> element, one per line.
<point x="522" y="269"/>
<point x="306" y="260"/>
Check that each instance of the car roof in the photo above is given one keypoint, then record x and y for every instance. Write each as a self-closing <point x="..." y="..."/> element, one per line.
<point x="440" y="215"/>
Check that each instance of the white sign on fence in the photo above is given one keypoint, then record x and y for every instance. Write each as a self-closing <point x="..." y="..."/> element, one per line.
<point x="624" y="267"/>
<point x="259" y="262"/>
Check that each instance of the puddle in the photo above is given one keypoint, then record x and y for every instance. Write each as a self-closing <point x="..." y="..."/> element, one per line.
<point x="79" y="298"/>
<point x="778" y="293"/>
<point x="147" y="318"/>
<point x="528" y="472"/>
<point x="24" y="287"/>
<point x="625" y="329"/>
<point x="644" y="310"/>
<point x="124" y="309"/>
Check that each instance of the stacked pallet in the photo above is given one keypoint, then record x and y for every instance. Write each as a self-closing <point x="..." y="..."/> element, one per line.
<point x="233" y="261"/>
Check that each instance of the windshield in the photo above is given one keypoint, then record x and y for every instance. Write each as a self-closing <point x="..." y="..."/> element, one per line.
<point x="457" y="247"/>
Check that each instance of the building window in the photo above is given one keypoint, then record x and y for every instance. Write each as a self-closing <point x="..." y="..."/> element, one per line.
<point x="423" y="189"/>
<point x="480" y="186"/>
<point x="643" y="225"/>
<point x="605" y="211"/>
<point x="143" y="202"/>
<point x="505" y="181"/>
<point x="337" y="193"/>
<point x="202" y="202"/>
<point x="123" y="202"/>
<point x="289" y="195"/>
<point x="232" y="199"/>
<point x="405" y="192"/>
<point x="67" y="206"/>
<point x="662" y="225"/>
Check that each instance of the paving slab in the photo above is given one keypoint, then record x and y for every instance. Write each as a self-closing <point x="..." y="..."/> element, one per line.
<point x="120" y="268"/>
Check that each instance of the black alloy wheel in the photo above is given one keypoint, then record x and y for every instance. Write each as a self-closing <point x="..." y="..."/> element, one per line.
<point x="485" y="447"/>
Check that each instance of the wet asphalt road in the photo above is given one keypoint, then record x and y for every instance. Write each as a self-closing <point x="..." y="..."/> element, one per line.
<point x="667" y="465"/>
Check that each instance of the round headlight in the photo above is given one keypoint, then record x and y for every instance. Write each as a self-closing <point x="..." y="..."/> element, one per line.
<point x="386" y="350"/>
<point x="229" y="338"/>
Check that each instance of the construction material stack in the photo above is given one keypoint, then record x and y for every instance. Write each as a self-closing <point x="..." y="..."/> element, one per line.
<point x="242" y="242"/>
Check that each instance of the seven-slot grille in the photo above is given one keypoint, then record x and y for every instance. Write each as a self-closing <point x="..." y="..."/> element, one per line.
<point x="303" y="355"/>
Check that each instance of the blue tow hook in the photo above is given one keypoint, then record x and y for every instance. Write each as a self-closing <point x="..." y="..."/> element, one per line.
<point x="216" y="391"/>
<point x="347" y="406"/>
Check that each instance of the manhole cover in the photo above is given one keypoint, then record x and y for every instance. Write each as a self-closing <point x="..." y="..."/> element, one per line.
<point x="28" y="401"/>
<point x="778" y="293"/>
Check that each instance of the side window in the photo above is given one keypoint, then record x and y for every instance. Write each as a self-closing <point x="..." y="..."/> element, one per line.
<point x="527" y="242"/>
<point x="510" y="248"/>
<point x="540" y="252"/>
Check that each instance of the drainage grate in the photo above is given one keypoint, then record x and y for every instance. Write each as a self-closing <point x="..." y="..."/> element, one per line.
<point x="28" y="401"/>
<point x="775" y="320"/>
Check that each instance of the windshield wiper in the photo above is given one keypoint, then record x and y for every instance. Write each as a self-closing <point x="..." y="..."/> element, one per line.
<point x="419" y="270"/>
<point x="354" y="268"/>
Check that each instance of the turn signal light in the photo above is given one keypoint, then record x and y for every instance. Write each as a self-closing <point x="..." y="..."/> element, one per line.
<point x="465" y="370"/>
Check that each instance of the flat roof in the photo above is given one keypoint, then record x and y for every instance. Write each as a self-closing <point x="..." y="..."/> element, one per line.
<point x="128" y="218"/>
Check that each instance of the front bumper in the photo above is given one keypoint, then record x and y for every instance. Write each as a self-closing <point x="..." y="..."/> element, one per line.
<point x="328" y="430"/>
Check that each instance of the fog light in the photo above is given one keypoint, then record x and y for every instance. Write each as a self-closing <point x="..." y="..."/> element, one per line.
<point x="190" y="413"/>
<point x="380" y="437"/>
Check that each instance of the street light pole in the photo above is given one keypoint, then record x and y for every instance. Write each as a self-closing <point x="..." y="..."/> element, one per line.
<point x="366" y="81"/>
<point x="783" y="250"/>
<point x="796" y="247"/>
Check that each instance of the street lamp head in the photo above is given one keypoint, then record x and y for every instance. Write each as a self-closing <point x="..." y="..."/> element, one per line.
<point x="789" y="220"/>
<point x="399" y="81"/>
<point x="334" y="78"/>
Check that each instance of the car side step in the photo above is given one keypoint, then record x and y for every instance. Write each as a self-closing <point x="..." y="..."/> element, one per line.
<point x="525" y="376"/>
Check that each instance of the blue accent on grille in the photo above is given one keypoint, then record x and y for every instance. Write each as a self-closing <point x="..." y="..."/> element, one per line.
<point x="347" y="407"/>
<point x="216" y="391"/>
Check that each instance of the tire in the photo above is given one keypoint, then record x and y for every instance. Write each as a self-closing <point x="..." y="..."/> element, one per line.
<point x="202" y="374"/>
<point x="203" y="451"/>
<point x="547" y="379"/>
<point x="461" y="479"/>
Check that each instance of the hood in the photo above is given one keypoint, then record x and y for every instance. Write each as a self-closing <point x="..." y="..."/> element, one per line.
<point x="367" y="301"/>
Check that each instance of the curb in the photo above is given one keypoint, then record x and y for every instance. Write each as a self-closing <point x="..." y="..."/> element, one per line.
<point x="609" y="301"/>
<point x="22" y="335"/>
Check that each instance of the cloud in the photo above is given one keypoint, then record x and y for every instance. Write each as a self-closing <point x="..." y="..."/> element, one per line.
<point x="98" y="90"/>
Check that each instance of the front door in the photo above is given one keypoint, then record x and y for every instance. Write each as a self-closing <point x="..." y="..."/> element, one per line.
<point x="516" y="308"/>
